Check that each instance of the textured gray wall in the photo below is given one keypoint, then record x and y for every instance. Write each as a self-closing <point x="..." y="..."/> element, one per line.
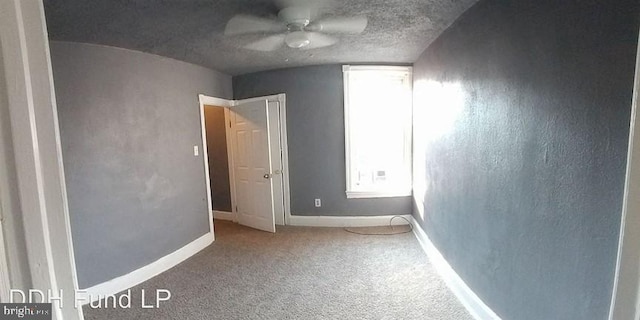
<point x="315" y="132"/>
<point x="525" y="189"/>
<point x="218" y="158"/>
<point x="129" y="121"/>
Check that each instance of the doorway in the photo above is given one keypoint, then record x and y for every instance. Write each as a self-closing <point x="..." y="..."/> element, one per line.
<point x="219" y="161"/>
<point x="246" y="160"/>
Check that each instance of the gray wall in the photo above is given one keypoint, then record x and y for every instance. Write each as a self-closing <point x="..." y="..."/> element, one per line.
<point x="129" y="121"/>
<point x="315" y="133"/>
<point x="525" y="190"/>
<point x="218" y="158"/>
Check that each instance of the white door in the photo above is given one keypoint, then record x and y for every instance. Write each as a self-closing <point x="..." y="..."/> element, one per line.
<point x="251" y="165"/>
<point x="277" y="179"/>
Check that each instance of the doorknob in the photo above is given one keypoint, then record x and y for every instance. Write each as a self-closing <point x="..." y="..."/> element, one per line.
<point x="267" y="176"/>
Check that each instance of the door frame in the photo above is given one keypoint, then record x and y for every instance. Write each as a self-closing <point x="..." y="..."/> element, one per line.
<point x="205" y="160"/>
<point x="37" y="150"/>
<point x="205" y="100"/>
<point x="625" y="299"/>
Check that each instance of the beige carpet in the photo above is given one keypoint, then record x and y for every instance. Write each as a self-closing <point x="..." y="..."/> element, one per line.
<point x="299" y="273"/>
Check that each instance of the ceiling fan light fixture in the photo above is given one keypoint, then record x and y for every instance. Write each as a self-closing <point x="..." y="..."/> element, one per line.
<point x="297" y="39"/>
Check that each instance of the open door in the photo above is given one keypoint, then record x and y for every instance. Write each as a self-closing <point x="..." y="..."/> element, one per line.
<point x="251" y="165"/>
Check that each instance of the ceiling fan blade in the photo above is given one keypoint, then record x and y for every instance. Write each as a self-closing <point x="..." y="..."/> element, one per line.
<point x="319" y="40"/>
<point x="270" y="43"/>
<point x="243" y="24"/>
<point x="351" y="25"/>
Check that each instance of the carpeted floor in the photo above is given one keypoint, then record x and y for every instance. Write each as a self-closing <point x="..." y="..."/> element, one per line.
<point x="298" y="273"/>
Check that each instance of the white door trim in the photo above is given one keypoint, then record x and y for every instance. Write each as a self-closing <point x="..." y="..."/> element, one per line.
<point x="7" y="199"/>
<point x="36" y="142"/>
<point x="626" y="284"/>
<point x="205" y="160"/>
<point x="213" y="101"/>
<point x="5" y="284"/>
<point x="225" y="103"/>
<point x="282" y="98"/>
<point x="221" y="102"/>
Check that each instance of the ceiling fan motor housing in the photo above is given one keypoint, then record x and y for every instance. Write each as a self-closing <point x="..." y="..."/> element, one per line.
<point x="296" y="18"/>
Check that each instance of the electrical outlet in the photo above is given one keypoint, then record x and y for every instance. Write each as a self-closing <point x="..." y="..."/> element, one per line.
<point x="196" y="152"/>
<point x="318" y="203"/>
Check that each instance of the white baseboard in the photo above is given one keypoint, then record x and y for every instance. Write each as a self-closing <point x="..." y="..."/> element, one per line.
<point x="348" y="221"/>
<point x="476" y="307"/>
<point x="223" y="215"/>
<point x="145" y="273"/>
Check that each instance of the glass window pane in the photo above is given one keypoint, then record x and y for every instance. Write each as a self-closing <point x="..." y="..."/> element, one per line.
<point x="379" y="128"/>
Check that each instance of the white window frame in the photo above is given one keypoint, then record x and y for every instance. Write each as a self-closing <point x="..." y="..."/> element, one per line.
<point x="350" y="192"/>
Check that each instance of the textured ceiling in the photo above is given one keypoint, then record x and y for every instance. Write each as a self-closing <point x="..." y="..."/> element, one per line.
<point x="192" y="30"/>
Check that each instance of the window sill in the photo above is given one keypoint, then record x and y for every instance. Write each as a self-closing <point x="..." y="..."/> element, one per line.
<point x="376" y="194"/>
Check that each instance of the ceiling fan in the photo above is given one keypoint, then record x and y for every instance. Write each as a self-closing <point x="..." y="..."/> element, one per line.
<point x="296" y="27"/>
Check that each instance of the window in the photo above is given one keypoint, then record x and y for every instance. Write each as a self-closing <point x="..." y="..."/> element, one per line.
<point x="377" y="106"/>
